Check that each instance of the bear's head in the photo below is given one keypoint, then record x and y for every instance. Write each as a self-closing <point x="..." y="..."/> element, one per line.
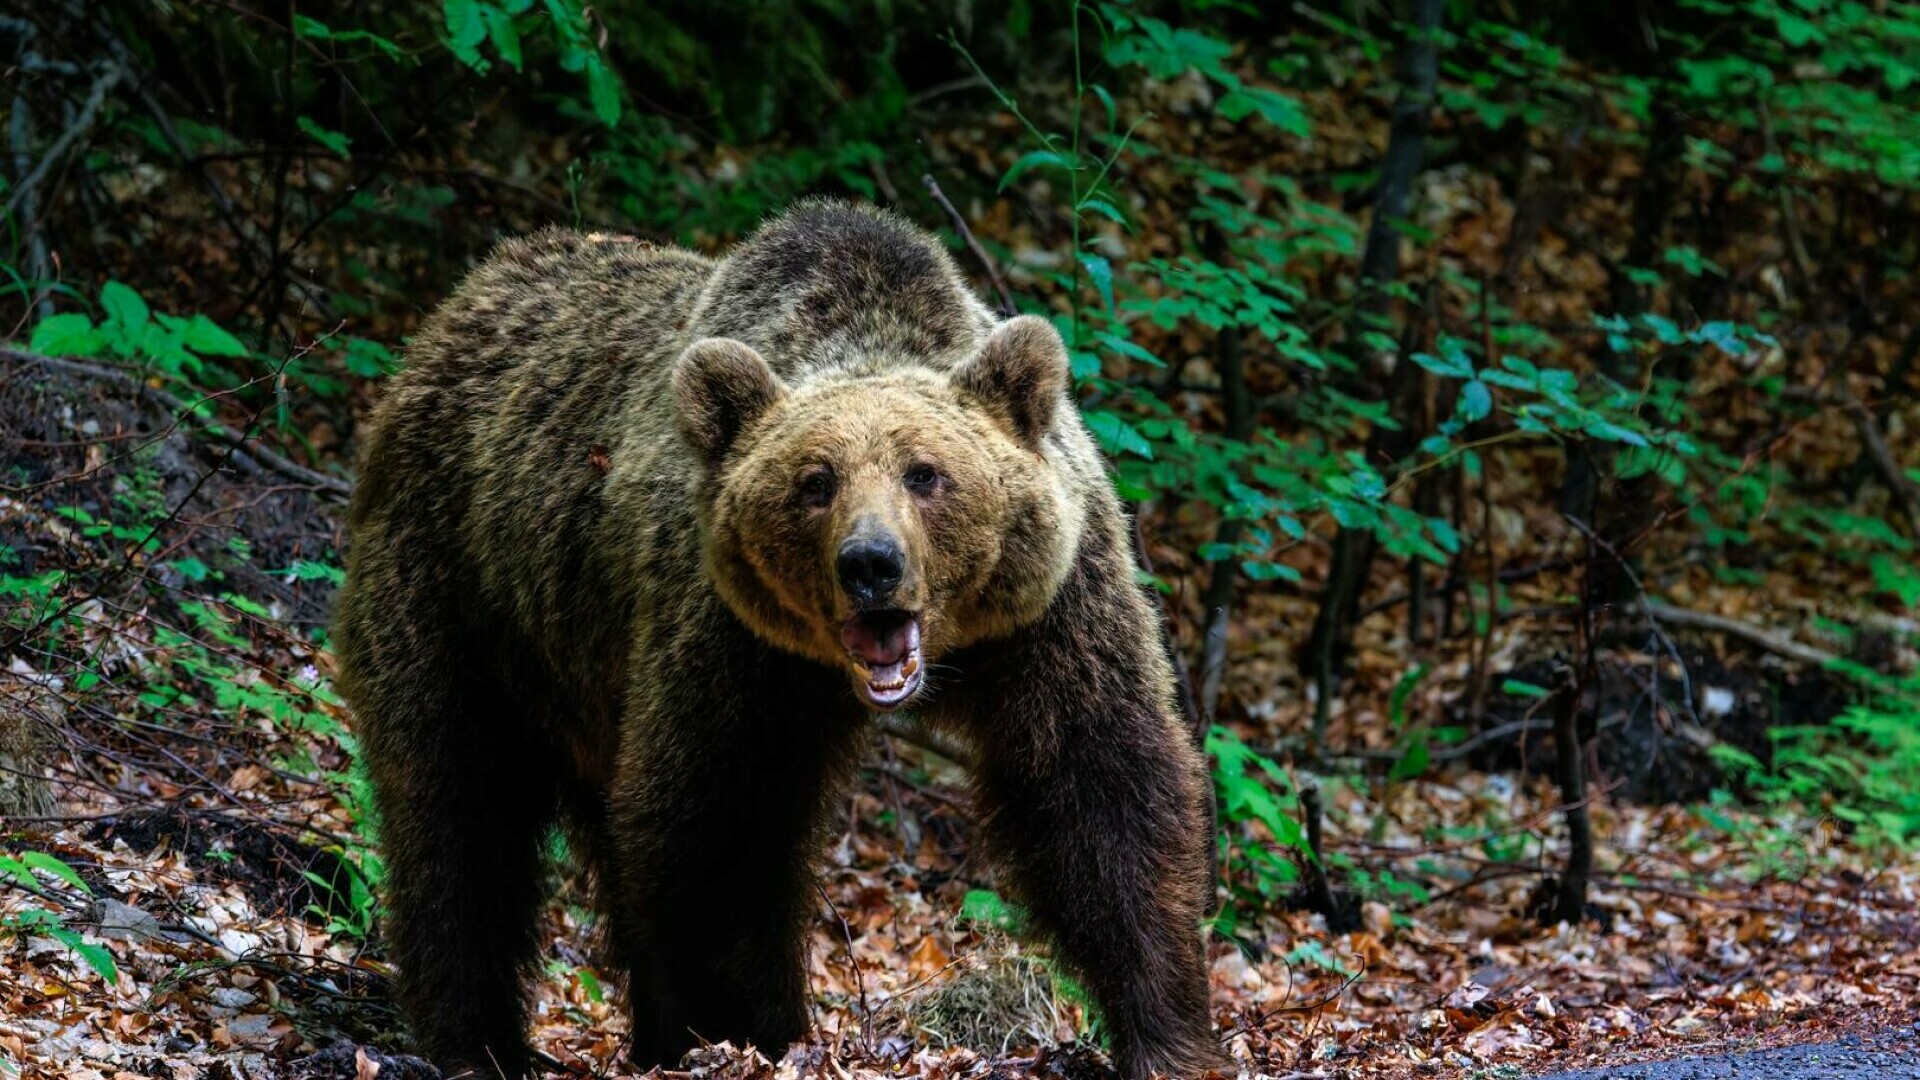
<point x="880" y="521"/>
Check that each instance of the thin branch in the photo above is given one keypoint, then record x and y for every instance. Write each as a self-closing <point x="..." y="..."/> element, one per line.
<point x="853" y="962"/>
<point x="96" y="97"/>
<point x="1905" y="494"/>
<point x="1007" y="306"/>
<point x="1734" y="628"/>
<point x="1464" y="747"/>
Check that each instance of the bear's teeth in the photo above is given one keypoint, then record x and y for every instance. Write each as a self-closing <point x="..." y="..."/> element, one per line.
<point x="912" y="665"/>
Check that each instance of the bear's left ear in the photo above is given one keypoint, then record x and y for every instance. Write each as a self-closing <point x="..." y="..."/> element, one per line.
<point x="719" y="387"/>
<point x="1020" y="374"/>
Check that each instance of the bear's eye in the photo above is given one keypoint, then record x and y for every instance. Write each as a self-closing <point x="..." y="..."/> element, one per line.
<point x="922" y="479"/>
<point x="816" y="488"/>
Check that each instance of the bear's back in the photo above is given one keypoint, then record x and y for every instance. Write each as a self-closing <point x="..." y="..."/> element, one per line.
<point x="832" y="287"/>
<point x="539" y="344"/>
<point x="490" y="451"/>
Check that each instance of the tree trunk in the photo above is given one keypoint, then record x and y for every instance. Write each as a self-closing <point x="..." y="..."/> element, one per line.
<point x="1571" y="904"/>
<point x="1379" y="266"/>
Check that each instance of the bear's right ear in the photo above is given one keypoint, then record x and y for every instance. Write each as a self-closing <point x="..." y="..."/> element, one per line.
<point x="719" y="387"/>
<point x="1021" y="374"/>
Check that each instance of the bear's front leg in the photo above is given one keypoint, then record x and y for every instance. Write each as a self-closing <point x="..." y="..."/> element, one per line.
<point x="730" y="756"/>
<point x="1095" y="800"/>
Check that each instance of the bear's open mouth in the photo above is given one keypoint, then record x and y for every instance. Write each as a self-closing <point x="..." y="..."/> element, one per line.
<point x="884" y="645"/>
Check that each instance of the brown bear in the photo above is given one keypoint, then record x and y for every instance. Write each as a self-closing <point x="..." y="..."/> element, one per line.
<point x="642" y="540"/>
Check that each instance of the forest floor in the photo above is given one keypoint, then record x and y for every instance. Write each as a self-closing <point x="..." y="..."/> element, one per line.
<point x="207" y="856"/>
<point x="1887" y="1056"/>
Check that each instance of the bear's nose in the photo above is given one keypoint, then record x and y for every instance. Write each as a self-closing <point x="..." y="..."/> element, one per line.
<point x="870" y="567"/>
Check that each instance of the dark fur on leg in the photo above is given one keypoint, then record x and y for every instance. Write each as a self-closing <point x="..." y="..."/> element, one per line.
<point x="468" y="872"/>
<point x="1096" y="803"/>
<point x="719" y="816"/>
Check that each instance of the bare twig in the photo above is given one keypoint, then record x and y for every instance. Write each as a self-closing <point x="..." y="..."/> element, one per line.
<point x="1199" y="720"/>
<point x="1182" y="675"/>
<point x="1523" y="726"/>
<point x="1007" y="306"/>
<point x="1231" y="362"/>
<point x="96" y="97"/>
<point x="1660" y="638"/>
<point x="1752" y="635"/>
<point x="1213" y="662"/>
<point x="1506" y="576"/>
<point x="853" y="962"/>
<point x="252" y="244"/>
<point x="1905" y="494"/>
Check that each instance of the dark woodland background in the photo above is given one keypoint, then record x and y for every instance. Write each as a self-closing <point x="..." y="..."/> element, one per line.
<point x="1517" y="402"/>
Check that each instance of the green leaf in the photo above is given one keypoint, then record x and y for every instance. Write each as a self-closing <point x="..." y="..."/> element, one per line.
<point x="96" y="957"/>
<point x="1796" y="31"/>
<point x="603" y="88"/>
<point x="18" y="871"/>
<point x="203" y="335"/>
<point x="335" y="142"/>
<point x="1106" y="102"/>
<point x="466" y="29"/>
<point x="988" y="907"/>
<point x="1413" y="761"/>
<point x="66" y="334"/>
<point x="504" y="35"/>
<point x="1476" y="401"/>
<point x="1612" y="432"/>
<point x="1403" y="689"/>
<point x="47" y="864"/>
<point x="1692" y="263"/>
<point x="1268" y="571"/>
<point x="1274" y="107"/>
<point x="1101" y="271"/>
<point x="1030" y="159"/>
<point x="1116" y="435"/>
<point x="1898" y="577"/>
<point x="1524" y="689"/>
<point x="1129" y="349"/>
<point x="1453" y="361"/>
<point x="191" y="569"/>
<point x="1106" y="210"/>
<point x="126" y="314"/>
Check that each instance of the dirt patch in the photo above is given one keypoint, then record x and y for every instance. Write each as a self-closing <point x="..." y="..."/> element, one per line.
<point x="88" y="450"/>
<point x="349" y="1061"/>
<point x="1652" y="728"/>
<point x="268" y="863"/>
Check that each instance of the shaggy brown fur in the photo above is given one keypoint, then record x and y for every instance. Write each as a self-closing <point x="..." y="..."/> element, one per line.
<point x="600" y="573"/>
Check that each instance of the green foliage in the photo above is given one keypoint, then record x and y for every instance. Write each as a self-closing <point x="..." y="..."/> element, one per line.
<point x="349" y="907"/>
<point x="51" y="921"/>
<point x="182" y="349"/>
<point x="1859" y="768"/>
<point x="1261" y="841"/>
<point x="505" y="26"/>
<point x="987" y="908"/>
<point x="128" y="331"/>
